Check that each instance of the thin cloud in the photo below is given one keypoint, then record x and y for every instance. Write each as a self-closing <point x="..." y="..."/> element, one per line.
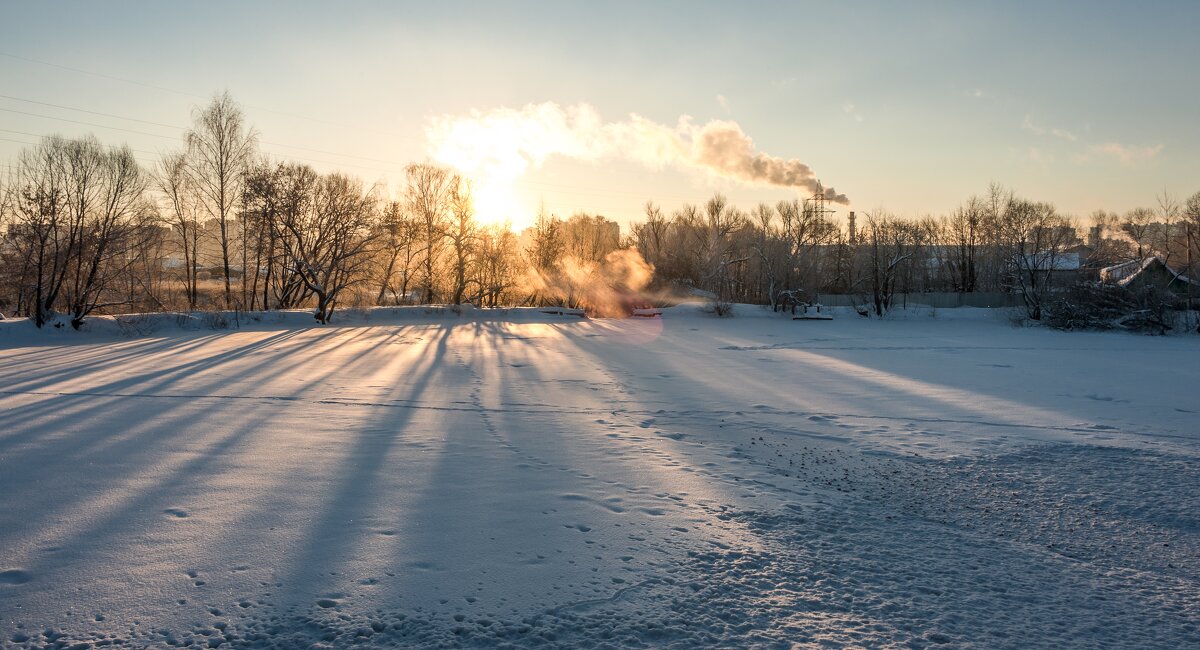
<point x="850" y="109"/>
<point x="1126" y="154"/>
<point x="1039" y="156"/>
<point x="1062" y="134"/>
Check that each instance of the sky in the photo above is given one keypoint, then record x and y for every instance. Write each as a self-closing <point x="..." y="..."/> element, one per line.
<point x="908" y="107"/>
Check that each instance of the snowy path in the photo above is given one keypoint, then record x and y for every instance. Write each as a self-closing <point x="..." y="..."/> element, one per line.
<point x="680" y="481"/>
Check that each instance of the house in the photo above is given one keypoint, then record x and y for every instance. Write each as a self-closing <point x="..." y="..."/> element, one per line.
<point x="1065" y="267"/>
<point x="1151" y="271"/>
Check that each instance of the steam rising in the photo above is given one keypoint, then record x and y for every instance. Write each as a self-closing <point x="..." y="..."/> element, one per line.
<point x="723" y="148"/>
<point x="503" y="143"/>
<point x="606" y="288"/>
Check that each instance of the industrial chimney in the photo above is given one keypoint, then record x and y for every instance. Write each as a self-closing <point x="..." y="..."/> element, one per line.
<point x="853" y="232"/>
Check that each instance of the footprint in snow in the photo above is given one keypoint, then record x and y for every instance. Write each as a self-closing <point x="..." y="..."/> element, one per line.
<point x="179" y="513"/>
<point x="14" y="577"/>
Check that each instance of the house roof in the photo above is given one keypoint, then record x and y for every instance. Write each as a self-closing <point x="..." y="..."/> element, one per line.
<point x="1126" y="272"/>
<point x="1054" y="261"/>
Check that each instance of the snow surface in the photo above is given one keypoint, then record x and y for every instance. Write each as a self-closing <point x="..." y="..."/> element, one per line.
<point x="422" y="478"/>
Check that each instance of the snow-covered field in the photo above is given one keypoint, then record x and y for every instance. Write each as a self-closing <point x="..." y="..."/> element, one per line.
<point x="512" y="478"/>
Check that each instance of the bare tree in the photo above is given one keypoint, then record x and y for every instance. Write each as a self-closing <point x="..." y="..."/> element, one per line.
<point x="769" y="254"/>
<point x="1107" y="239"/>
<point x="1138" y="226"/>
<point x="650" y="236"/>
<point x="721" y="220"/>
<point x="964" y="231"/>
<point x="295" y="190"/>
<point x="1191" y="213"/>
<point x="145" y="281"/>
<point x="41" y="231"/>
<point x="77" y="209"/>
<point x="547" y="246"/>
<point x="890" y="246"/>
<point x="174" y="184"/>
<point x="113" y="219"/>
<point x="1169" y="210"/>
<point x="428" y="197"/>
<point x="590" y="238"/>
<point x="1033" y="236"/>
<point x="261" y="197"/>
<point x="808" y="234"/>
<point x="496" y="265"/>
<point x="397" y="250"/>
<point x="220" y="146"/>
<point x="461" y="233"/>
<point x="329" y="240"/>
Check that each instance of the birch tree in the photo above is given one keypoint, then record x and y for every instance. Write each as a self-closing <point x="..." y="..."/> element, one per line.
<point x="220" y="146"/>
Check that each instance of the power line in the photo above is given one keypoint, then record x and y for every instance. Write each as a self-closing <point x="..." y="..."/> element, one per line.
<point x="184" y="128"/>
<point x="110" y="146"/>
<point x="100" y="74"/>
<point x="167" y="137"/>
<point x="93" y="124"/>
<point x="84" y="110"/>
<point x="160" y="88"/>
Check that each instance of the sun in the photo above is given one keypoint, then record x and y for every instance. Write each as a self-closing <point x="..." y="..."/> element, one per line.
<point x="496" y="202"/>
<point x="492" y="157"/>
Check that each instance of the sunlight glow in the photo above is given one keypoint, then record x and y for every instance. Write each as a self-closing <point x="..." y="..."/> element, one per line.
<point x="496" y="202"/>
<point x="489" y="153"/>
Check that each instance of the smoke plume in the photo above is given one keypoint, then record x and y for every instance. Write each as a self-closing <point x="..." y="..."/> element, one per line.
<point x="505" y="142"/>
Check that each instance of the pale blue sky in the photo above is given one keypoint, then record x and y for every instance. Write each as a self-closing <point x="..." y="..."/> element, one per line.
<point x="907" y="106"/>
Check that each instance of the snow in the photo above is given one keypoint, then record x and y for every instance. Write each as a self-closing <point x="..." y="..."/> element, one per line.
<point x="1125" y="273"/>
<point x="432" y="478"/>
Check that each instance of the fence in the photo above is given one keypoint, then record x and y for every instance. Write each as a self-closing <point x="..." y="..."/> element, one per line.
<point x="937" y="300"/>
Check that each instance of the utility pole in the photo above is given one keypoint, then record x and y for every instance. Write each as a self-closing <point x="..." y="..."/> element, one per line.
<point x="1190" y="275"/>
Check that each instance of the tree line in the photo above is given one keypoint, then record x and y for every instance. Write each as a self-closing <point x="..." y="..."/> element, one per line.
<point x="217" y="226"/>
<point x="993" y="242"/>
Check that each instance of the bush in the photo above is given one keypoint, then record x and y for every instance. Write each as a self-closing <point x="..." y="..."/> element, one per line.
<point x="135" y="325"/>
<point x="721" y="308"/>
<point x="215" y="320"/>
<point x="1091" y="306"/>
